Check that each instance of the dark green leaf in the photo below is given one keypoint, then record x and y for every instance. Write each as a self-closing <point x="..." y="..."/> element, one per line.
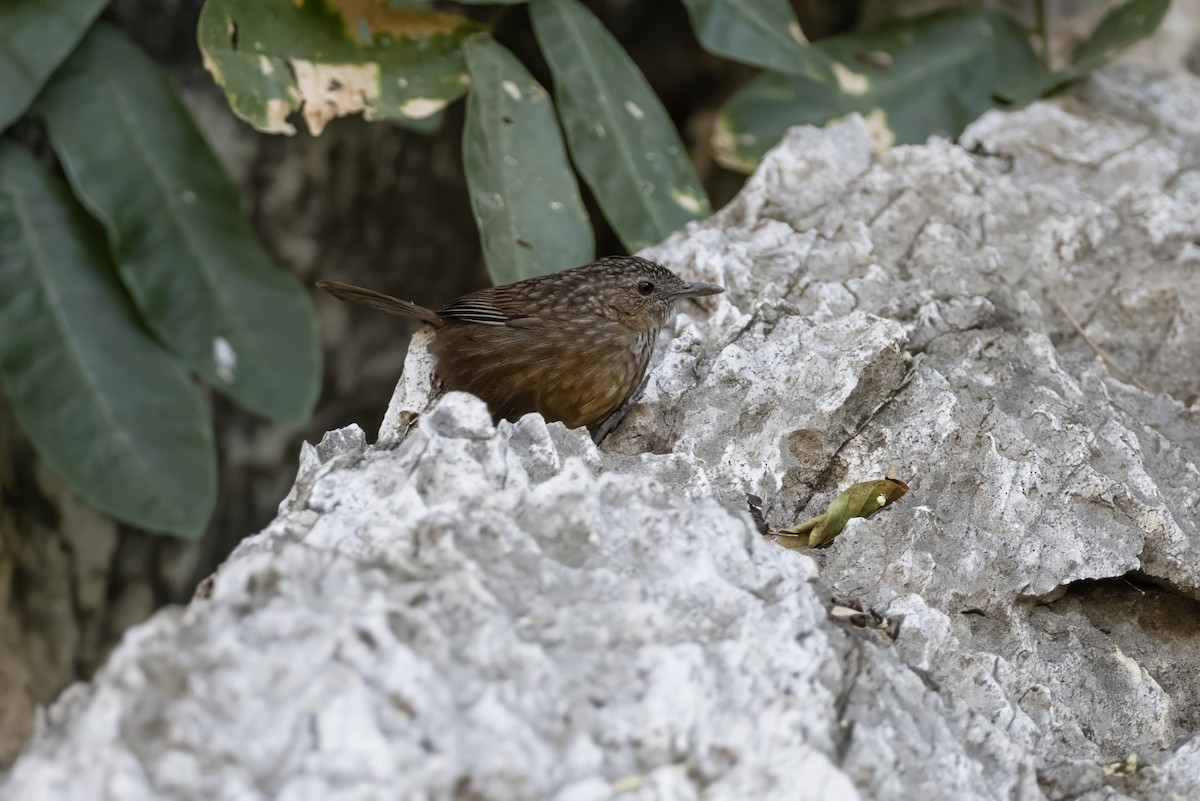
<point x="1121" y="27"/>
<point x="35" y="37"/>
<point x="430" y="3"/>
<point x="523" y="192"/>
<point x="760" y="32"/>
<point x="330" y="58"/>
<point x="104" y="404"/>
<point x="621" y="137"/>
<point x="184" y="251"/>
<point x="912" y="79"/>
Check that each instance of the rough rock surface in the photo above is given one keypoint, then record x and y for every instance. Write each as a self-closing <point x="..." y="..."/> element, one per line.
<point x="464" y="611"/>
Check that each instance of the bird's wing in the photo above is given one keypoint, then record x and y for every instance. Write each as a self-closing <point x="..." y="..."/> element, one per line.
<point x="473" y="308"/>
<point x="498" y="305"/>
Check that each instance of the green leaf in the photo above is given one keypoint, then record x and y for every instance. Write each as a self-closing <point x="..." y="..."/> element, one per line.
<point x="523" y="191"/>
<point x="35" y="37"/>
<point x="330" y="58"/>
<point x="912" y="79"/>
<point x="184" y="251"/>
<point x="621" y="137"/>
<point x="429" y="3"/>
<point x="1121" y="27"/>
<point x="102" y="402"/>
<point x="760" y="32"/>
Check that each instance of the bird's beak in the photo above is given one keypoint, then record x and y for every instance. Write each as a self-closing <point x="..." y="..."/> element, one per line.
<point x="697" y="290"/>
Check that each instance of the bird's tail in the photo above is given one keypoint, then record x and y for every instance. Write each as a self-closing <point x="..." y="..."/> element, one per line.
<point x="378" y="300"/>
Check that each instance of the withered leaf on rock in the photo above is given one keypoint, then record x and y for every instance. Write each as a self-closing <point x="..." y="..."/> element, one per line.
<point x="859" y="500"/>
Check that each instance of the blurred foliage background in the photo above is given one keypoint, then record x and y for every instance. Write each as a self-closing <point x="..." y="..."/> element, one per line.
<point x="175" y="173"/>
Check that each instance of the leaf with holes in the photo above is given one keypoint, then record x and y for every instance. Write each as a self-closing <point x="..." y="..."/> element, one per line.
<point x="764" y="33"/>
<point x="35" y="37"/>
<point x="105" y="406"/>
<point x="912" y="79"/>
<point x="330" y="58"/>
<point x="183" y="248"/>
<point x="523" y="192"/>
<point x="621" y="138"/>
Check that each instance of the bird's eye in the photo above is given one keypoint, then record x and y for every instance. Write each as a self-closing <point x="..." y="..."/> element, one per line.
<point x="645" y="288"/>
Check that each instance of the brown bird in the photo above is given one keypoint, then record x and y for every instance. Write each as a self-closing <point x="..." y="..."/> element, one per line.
<point x="572" y="345"/>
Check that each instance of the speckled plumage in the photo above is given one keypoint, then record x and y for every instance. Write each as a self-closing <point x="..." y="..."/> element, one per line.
<point x="572" y="345"/>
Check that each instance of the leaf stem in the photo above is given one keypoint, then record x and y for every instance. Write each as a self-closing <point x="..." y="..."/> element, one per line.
<point x="1043" y="29"/>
